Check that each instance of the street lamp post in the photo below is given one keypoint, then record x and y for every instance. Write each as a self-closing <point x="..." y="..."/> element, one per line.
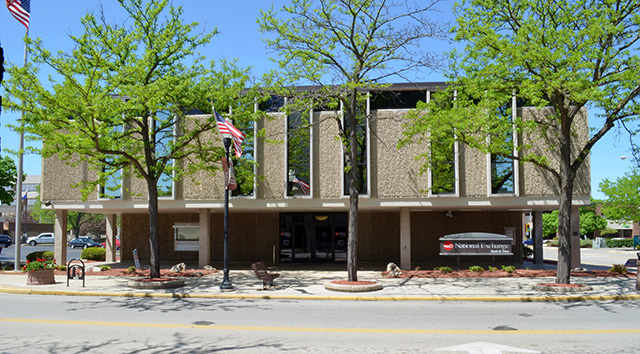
<point x="226" y="283"/>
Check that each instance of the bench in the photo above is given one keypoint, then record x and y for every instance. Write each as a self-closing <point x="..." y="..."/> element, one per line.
<point x="267" y="275"/>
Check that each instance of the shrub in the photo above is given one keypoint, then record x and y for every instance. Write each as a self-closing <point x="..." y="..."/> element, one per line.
<point x="627" y="242"/>
<point x="34" y="256"/>
<point x="607" y="231"/>
<point x="586" y="243"/>
<point x="618" y="268"/>
<point x="492" y="269"/>
<point x="476" y="269"/>
<point x="62" y="267"/>
<point x="444" y="270"/>
<point x="94" y="254"/>
<point x="105" y="267"/>
<point x="509" y="269"/>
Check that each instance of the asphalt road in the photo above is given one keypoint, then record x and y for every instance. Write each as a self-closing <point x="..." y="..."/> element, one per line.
<point x="60" y="324"/>
<point x="597" y="258"/>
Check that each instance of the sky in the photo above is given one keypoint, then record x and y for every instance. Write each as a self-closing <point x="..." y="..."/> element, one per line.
<point x="238" y="38"/>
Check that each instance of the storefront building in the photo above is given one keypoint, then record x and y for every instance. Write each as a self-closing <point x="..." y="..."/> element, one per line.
<point x="297" y="210"/>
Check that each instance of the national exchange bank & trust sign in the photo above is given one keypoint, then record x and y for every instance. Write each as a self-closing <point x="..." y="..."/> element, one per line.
<point x="471" y="244"/>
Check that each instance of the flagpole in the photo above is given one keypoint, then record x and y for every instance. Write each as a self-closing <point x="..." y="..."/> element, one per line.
<point x="18" y="234"/>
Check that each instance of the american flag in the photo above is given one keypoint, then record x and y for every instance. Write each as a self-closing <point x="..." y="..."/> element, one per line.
<point x="20" y="9"/>
<point x="304" y="187"/>
<point x="225" y="127"/>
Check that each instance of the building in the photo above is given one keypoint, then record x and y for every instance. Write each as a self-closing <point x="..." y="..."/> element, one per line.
<point x="403" y="213"/>
<point x="29" y="194"/>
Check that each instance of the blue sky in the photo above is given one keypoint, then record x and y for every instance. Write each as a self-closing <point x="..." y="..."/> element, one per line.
<point x="238" y="38"/>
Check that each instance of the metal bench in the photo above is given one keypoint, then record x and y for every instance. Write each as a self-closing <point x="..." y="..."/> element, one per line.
<point x="267" y="275"/>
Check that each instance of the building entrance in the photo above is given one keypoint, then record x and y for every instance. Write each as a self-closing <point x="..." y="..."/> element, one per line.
<point x="313" y="237"/>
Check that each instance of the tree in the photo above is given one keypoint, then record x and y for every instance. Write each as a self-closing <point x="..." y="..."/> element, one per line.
<point x="623" y="197"/>
<point x="120" y="101"/>
<point x="550" y="223"/>
<point x="354" y="45"/>
<point x="8" y="173"/>
<point x="567" y="55"/>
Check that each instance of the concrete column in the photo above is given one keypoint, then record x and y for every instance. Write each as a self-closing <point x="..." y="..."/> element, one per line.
<point x="60" y="233"/>
<point x="111" y="238"/>
<point x="538" y="256"/>
<point x="575" y="237"/>
<point x="405" y="238"/>
<point x="204" y="238"/>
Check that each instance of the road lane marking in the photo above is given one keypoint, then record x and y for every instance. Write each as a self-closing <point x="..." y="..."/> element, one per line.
<point x="320" y="329"/>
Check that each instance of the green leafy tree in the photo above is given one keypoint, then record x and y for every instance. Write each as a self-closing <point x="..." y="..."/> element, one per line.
<point x="550" y="223"/>
<point x="119" y="100"/>
<point x="623" y="197"/>
<point x="8" y="173"/>
<point x="344" y="47"/>
<point x="590" y="221"/>
<point x="566" y="55"/>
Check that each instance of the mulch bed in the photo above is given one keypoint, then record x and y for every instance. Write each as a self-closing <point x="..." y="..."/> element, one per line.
<point x="529" y="273"/>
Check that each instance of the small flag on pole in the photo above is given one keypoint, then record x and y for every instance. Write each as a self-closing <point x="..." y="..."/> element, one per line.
<point x="225" y="127"/>
<point x="21" y="10"/>
<point x="304" y="187"/>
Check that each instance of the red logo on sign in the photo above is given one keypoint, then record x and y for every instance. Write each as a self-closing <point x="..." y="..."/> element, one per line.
<point x="448" y="245"/>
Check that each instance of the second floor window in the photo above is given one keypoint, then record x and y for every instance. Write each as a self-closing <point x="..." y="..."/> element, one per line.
<point x="298" y="154"/>
<point x="443" y="166"/>
<point x="361" y="163"/>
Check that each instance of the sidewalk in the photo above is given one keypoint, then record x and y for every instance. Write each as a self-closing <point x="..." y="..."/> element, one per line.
<point x="308" y="285"/>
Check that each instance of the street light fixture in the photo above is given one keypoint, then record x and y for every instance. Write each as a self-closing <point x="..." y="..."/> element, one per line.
<point x="226" y="283"/>
<point x="624" y="157"/>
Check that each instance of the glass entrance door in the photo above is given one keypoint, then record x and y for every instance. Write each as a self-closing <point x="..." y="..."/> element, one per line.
<point x="312" y="237"/>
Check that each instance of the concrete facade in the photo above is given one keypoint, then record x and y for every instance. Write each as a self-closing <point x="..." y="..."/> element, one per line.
<point x="400" y="221"/>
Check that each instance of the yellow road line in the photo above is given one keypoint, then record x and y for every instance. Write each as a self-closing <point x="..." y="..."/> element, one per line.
<point x="320" y="329"/>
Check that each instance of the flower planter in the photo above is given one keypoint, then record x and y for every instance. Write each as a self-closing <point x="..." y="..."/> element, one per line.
<point x="40" y="277"/>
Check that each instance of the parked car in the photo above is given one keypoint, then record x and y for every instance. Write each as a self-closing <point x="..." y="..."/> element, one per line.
<point x="5" y="241"/>
<point x="528" y="242"/>
<point x="83" y="242"/>
<point x="43" y="238"/>
<point x="104" y="244"/>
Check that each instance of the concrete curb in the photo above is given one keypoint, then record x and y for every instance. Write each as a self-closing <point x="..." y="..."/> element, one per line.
<point x="567" y="298"/>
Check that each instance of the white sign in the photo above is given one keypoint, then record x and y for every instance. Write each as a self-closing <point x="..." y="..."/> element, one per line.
<point x="136" y="260"/>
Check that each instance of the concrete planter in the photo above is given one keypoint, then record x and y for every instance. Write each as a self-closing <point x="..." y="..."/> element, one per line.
<point x="41" y="277"/>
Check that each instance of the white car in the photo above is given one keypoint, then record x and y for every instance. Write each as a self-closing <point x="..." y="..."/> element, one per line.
<point x="43" y="238"/>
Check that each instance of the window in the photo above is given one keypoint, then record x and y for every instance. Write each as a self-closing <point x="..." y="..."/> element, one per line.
<point x="443" y="174"/>
<point x="186" y="237"/>
<point x="162" y="130"/>
<point x="362" y="152"/>
<point x="244" y="166"/>
<point x="298" y="154"/>
<point x="443" y="167"/>
<point x="112" y="187"/>
<point x="396" y="99"/>
<point x="503" y="168"/>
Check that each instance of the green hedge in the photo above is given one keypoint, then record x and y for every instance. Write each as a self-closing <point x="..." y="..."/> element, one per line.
<point x="33" y="256"/>
<point x="627" y="242"/>
<point x="94" y="254"/>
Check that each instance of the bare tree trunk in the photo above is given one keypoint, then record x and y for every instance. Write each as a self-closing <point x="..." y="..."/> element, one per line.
<point x="567" y="176"/>
<point x="154" y="258"/>
<point x="352" y="240"/>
